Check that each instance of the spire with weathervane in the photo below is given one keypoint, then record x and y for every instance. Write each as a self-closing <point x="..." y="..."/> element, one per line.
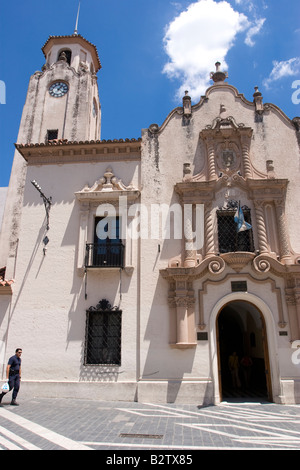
<point x="76" y="25"/>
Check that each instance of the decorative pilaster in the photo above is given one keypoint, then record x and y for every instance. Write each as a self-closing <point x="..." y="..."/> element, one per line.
<point x="182" y="323"/>
<point x="83" y="227"/>
<point x="209" y="230"/>
<point x="297" y="302"/>
<point x="182" y="304"/>
<point x="189" y="252"/>
<point x="261" y="227"/>
<point x="282" y="232"/>
<point x="245" y="141"/>
<point x="211" y="158"/>
<point x="293" y="304"/>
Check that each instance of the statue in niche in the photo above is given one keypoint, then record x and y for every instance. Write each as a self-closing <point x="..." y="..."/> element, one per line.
<point x="228" y="159"/>
<point x="63" y="56"/>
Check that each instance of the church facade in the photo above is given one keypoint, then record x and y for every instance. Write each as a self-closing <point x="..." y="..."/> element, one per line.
<point x="137" y="269"/>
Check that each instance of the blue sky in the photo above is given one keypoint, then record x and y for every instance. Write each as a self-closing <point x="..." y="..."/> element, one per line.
<point x="151" y="51"/>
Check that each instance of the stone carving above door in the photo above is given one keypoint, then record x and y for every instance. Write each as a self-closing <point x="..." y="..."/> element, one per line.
<point x="228" y="146"/>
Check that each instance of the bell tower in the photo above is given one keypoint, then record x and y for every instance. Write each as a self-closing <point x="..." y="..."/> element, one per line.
<point x="63" y="98"/>
<point x="62" y="103"/>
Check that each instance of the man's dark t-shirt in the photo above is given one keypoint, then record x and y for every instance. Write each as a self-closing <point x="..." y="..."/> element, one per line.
<point x="15" y="364"/>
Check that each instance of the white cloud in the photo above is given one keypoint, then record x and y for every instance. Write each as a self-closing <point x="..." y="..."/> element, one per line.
<point x="252" y="6"/>
<point x="246" y="3"/>
<point x="284" y="68"/>
<point x="255" y="29"/>
<point x="200" y="36"/>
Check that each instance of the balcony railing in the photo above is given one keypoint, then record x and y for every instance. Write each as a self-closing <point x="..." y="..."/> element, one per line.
<point x="104" y="255"/>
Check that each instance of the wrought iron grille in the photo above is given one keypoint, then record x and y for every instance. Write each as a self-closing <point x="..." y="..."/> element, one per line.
<point x="229" y="239"/>
<point x="103" y="335"/>
<point x="109" y="254"/>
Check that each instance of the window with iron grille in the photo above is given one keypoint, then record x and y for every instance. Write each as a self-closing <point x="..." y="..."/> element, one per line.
<point x="229" y="238"/>
<point x="107" y="251"/>
<point x="103" y="335"/>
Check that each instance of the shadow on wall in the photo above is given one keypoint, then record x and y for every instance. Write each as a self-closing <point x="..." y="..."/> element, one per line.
<point x="101" y="284"/>
<point x="163" y="362"/>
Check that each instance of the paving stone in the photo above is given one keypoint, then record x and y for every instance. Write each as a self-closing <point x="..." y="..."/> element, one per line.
<point x="93" y="425"/>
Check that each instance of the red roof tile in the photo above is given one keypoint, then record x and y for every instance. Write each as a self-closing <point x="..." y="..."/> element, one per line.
<point x="5" y="282"/>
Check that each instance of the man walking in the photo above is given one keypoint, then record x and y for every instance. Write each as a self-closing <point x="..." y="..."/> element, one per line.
<point x="13" y="374"/>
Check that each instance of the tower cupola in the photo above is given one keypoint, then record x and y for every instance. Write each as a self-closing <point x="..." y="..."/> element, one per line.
<point x="74" y="49"/>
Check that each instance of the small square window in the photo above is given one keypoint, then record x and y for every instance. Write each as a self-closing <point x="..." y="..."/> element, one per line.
<point x="52" y="134"/>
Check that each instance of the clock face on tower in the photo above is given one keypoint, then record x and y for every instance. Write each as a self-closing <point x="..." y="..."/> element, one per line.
<point x="58" y="89"/>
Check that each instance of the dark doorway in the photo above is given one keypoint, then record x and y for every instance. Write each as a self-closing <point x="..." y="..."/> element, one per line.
<point x="243" y="355"/>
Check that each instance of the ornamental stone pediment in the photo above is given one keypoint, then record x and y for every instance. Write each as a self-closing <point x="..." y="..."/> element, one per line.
<point x="107" y="188"/>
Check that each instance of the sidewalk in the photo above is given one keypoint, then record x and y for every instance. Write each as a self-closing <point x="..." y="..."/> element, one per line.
<point x="59" y="424"/>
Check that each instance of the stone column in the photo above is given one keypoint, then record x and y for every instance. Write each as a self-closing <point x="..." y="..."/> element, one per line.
<point x="209" y="230"/>
<point x="185" y="311"/>
<point x="182" y="320"/>
<point x="261" y="227"/>
<point x="211" y="158"/>
<point x="245" y="140"/>
<point x="189" y="252"/>
<point x="282" y="232"/>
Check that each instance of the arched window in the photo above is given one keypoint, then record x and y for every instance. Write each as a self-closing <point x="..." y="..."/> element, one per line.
<point x="65" y="54"/>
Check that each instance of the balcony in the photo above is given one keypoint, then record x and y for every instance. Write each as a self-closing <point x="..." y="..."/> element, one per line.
<point x="108" y="254"/>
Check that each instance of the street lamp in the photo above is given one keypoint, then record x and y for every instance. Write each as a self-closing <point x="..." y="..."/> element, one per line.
<point x="47" y="201"/>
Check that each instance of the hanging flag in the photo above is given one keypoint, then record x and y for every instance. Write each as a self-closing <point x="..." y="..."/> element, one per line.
<point x="239" y="219"/>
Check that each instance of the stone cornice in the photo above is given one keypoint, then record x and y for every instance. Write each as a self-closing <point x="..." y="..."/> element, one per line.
<point x="7" y="290"/>
<point x="63" y="151"/>
<point x="204" y="191"/>
<point x="267" y="189"/>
